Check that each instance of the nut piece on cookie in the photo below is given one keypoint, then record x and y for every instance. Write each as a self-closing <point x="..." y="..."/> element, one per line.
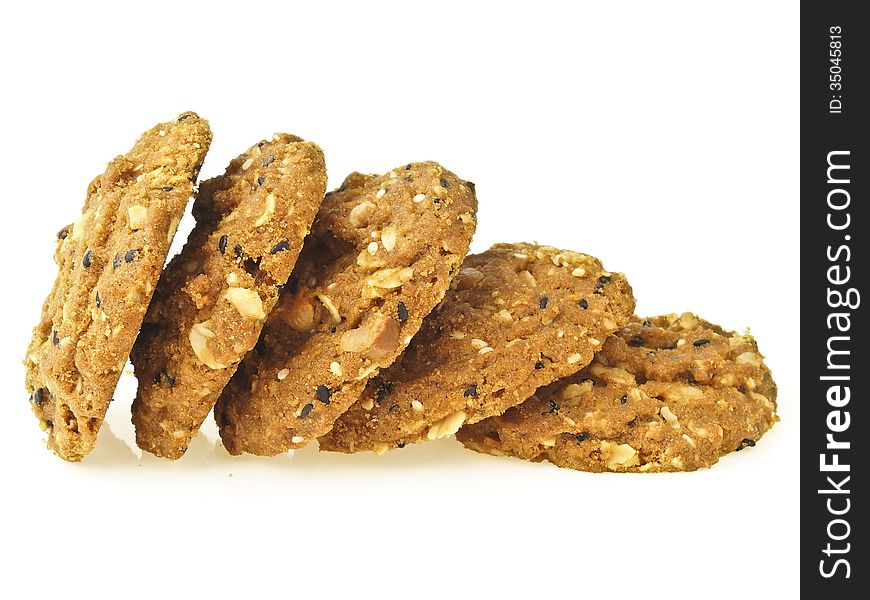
<point x="671" y="393"/>
<point x="214" y="296"/>
<point x="380" y="256"/>
<point x="517" y="317"/>
<point x="109" y="262"/>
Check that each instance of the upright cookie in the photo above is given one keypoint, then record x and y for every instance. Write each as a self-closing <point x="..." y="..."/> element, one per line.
<point x="379" y="257"/>
<point x="109" y="262"/>
<point x="666" y="394"/>
<point x="517" y="317"/>
<point x="215" y="295"/>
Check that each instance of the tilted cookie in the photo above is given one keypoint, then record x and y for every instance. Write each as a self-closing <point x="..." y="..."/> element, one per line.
<point x="666" y="394"/>
<point x="109" y="262"/>
<point x="517" y="317"/>
<point x="215" y="295"/>
<point x="380" y="256"/>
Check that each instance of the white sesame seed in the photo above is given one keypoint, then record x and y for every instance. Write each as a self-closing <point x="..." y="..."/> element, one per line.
<point x="372" y="248"/>
<point x="417" y="405"/>
<point x="578" y="272"/>
<point x="335" y="368"/>
<point x="419" y="198"/>
<point x="380" y="193"/>
<point x="485" y="350"/>
<point x="247" y="164"/>
<point x="297" y="439"/>
<point x="477" y="343"/>
<point x="282" y="374"/>
<point x="574" y="358"/>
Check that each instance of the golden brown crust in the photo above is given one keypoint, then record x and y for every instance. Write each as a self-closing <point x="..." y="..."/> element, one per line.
<point x="672" y="393"/>
<point x="380" y="256"/>
<point x="109" y="262"/>
<point x="517" y="316"/>
<point x="214" y="296"/>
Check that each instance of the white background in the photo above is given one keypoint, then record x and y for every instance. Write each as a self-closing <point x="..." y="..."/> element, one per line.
<point x="661" y="137"/>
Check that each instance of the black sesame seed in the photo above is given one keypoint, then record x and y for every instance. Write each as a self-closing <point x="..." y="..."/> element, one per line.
<point x="539" y="365"/>
<point x="131" y="255"/>
<point x="471" y="391"/>
<point x="383" y="389"/>
<point x="554" y="407"/>
<point x="184" y="116"/>
<point x="624" y="399"/>
<point x="39" y="396"/>
<point x="98" y="300"/>
<point x="402" y="311"/>
<point x="604" y="279"/>
<point x="86" y="259"/>
<point x="636" y="341"/>
<point x="670" y="347"/>
<point x="583" y="304"/>
<point x="647" y="323"/>
<point x="261" y="144"/>
<point x="222" y="244"/>
<point x="322" y="394"/>
<point x="280" y="247"/>
<point x="306" y="410"/>
<point x="581" y="437"/>
<point x="168" y="188"/>
<point x="63" y="233"/>
<point x="436" y="200"/>
<point x="470" y="185"/>
<point x="744" y="443"/>
<point x="293" y="284"/>
<point x="261" y="180"/>
<point x="400" y="444"/>
<point x="54" y="339"/>
<point x="393" y="408"/>
<point x="116" y="262"/>
<point x="332" y="329"/>
<point x="270" y="158"/>
<point x="408" y="167"/>
<point x="543" y="302"/>
<point x="237" y="251"/>
<point x="163" y="375"/>
<point x="700" y="342"/>
<point x="443" y="182"/>
<point x="49" y="423"/>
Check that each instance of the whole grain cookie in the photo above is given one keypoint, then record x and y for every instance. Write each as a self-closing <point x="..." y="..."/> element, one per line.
<point x="215" y="295"/>
<point x="380" y="256"/>
<point x="665" y="394"/>
<point x="109" y="262"/>
<point x="517" y="317"/>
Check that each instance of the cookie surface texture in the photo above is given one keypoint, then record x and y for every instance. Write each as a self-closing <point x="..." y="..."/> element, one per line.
<point x="517" y="317"/>
<point x="215" y="295"/>
<point x="380" y="256"/>
<point x="672" y="393"/>
<point x="109" y="262"/>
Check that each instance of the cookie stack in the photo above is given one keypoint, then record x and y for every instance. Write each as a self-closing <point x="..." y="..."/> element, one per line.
<point x="355" y="318"/>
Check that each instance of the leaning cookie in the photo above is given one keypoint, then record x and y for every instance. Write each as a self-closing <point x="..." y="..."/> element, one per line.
<point x="215" y="295"/>
<point x="666" y="394"/>
<point x="380" y="256"/>
<point x="109" y="262"/>
<point x="517" y="317"/>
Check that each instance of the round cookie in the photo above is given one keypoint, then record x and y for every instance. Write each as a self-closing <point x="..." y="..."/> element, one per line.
<point x="215" y="295"/>
<point x="380" y="256"/>
<point x="109" y="262"/>
<point x="665" y="394"/>
<point x="517" y="317"/>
